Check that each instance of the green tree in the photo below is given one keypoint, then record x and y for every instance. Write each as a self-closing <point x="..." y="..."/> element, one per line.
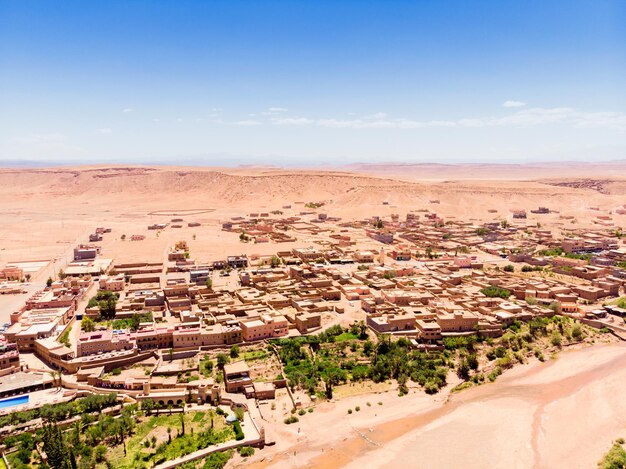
<point x="56" y="376"/>
<point x="331" y="378"/>
<point x="87" y="324"/>
<point x="55" y="447"/>
<point x="182" y="422"/>
<point x="463" y="369"/>
<point x="222" y="359"/>
<point x="147" y="405"/>
<point x="100" y="453"/>
<point x="234" y="351"/>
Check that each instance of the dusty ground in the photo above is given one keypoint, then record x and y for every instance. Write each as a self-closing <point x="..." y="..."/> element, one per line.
<point x="43" y="212"/>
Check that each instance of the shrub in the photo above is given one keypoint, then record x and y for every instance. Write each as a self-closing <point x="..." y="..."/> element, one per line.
<point x="301" y="412"/>
<point x="556" y="339"/>
<point x="431" y="387"/>
<point x="495" y="292"/>
<point x="614" y="459"/>
<point x="246" y="451"/>
<point x="504" y="362"/>
<point x="497" y="371"/>
<point x="291" y="419"/>
<point x="238" y="431"/>
<point x="500" y="352"/>
<point x="472" y="361"/>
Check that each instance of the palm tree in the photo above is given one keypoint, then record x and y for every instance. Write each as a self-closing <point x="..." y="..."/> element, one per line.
<point x="56" y="378"/>
<point x="182" y="422"/>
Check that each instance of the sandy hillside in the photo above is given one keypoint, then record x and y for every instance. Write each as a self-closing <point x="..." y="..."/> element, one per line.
<point x="44" y="211"/>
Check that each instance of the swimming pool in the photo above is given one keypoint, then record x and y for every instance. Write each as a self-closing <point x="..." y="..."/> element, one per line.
<point x="13" y="401"/>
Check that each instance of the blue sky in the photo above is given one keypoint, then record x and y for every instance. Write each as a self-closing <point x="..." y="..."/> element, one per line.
<point x="305" y="83"/>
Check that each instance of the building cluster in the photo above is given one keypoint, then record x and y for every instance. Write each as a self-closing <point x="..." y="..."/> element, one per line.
<point x="421" y="277"/>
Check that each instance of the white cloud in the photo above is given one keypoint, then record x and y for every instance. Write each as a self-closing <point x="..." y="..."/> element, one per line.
<point x="513" y="103"/>
<point x="272" y="111"/>
<point x="127" y="110"/>
<point x="105" y="130"/>
<point x="292" y="121"/>
<point x="521" y="118"/>
<point x="377" y="115"/>
<point x="248" y="122"/>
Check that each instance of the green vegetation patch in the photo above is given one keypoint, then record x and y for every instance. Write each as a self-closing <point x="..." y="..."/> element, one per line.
<point x="495" y="292"/>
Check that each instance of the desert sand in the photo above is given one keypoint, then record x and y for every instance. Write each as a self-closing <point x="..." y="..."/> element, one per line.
<point x="43" y="212"/>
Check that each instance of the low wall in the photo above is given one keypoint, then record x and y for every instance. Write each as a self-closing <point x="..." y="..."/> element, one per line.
<point x="203" y="453"/>
<point x="618" y="331"/>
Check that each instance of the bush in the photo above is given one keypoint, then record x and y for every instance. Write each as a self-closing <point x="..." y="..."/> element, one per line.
<point x="497" y="371"/>
<point x="65" y="337"/>
<point x="431" y="387"/>
<point x="301" y="412"/>
<point x="217" y="460"/>
<point x="556" y="339"/>
<point x="472" y="361"/>
<point x="509" y="268"/>
<point x="291" y="419"/>
<point x="496" y="292"/>
<point x="246" y="451"/>
<point x="614" y="459"/>
<point x="238" y="431"/>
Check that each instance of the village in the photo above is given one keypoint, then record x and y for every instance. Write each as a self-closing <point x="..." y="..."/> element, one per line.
<point x="221" y="333"/>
